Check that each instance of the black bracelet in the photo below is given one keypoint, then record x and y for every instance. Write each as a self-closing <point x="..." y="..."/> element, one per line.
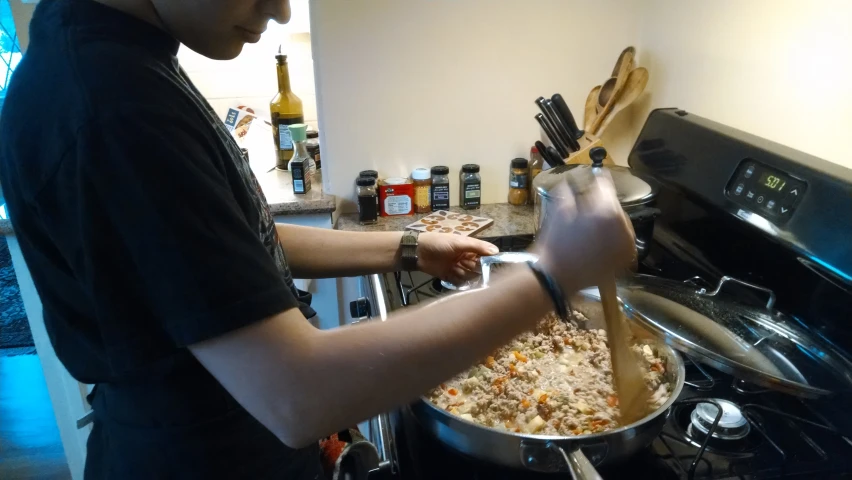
<point x="554" y="291"/>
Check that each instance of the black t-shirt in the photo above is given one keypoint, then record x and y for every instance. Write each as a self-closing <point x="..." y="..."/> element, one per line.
<point x="145" y="232"/>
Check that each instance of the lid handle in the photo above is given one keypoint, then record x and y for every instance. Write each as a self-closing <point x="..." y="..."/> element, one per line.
<point x="597" y="154"/>
<point x="769" y="304"/>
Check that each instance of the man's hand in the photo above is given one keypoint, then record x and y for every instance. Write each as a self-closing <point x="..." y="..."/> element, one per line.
<point x="453" y="258"/>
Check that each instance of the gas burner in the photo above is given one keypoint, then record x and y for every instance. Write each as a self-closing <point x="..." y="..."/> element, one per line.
<point x="732" y="426"/>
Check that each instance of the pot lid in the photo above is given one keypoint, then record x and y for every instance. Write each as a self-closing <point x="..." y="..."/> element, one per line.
<point x="757" y="344"/>
<point x="629" y="186"/>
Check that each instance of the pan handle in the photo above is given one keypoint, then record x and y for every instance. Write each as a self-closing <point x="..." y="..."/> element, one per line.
<point x="488" y="262"/>
<point x="579" y="465"/>
<point x="549" y="457"/>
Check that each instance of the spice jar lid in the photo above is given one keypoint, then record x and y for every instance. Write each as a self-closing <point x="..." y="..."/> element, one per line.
<point x="369" y="173"/>
<point x="470" y="168"/>
<point x="395" y="181"/>
<point x="440" y="170"/>
<point x="520" y="163"/>
<point x="421" y="174"/>
<point x="365" y="181"/>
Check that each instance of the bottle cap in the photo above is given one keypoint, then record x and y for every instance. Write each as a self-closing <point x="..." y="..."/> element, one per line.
<point x="520" y="163"/>
<point x="365" y="181"/>
<point x="369" y="173"/>
<point x="421" y="174"/>
<point x="298" y="131"/>
<point x="440" y="170"/>
<point x="470" y="168"/>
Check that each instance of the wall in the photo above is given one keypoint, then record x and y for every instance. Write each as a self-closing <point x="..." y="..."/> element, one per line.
<point x="779" y="69"/>
<point x="22" y="11"/>
<point x="251" y="79"/>
<point x="420" y="83"/>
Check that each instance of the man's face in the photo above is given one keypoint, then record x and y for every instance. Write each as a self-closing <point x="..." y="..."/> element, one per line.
<point x="219" y="28"/>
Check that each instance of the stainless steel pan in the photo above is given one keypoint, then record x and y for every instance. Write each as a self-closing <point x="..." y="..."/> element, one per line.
<point x="544" y="453"/>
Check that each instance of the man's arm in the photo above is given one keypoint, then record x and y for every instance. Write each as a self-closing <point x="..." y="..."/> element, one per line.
<point x="324" y="253"/>
<point x="304" y="383"/>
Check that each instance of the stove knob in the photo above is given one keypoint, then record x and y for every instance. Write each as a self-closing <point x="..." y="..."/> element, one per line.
<point x="360" y="309"/>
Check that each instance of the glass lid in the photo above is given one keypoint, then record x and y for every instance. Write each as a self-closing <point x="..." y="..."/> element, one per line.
<point x="630" y="188"/>
<point x="757" y="344"/>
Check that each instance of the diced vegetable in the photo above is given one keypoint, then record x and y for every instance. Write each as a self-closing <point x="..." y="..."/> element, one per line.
<point x="466" y="416"/>
<point x="535" y="424"/>
<point x="453" y="391"/>
<point x="612" y="400"/>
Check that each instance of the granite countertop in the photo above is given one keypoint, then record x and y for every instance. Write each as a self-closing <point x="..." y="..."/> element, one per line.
<point x="508" y="220"/>
<point x="276" y="185"/>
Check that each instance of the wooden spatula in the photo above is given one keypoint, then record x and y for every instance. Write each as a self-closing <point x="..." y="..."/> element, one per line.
<point x="626" y="374"/>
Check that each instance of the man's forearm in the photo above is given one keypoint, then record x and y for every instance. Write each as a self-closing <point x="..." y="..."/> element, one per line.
<point x="324" y="253"/>
<point x="306" y="383"/>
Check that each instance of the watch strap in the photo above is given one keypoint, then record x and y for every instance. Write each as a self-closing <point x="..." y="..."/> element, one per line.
<point x="554" y="291"/>
<point x="408" y="245"/>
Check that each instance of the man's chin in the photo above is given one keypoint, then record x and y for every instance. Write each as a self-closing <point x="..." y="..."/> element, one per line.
<point x="219" y="51"/>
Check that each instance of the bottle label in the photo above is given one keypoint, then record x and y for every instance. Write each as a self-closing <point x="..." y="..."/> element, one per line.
<point x="472" y="194"/>
<point x="440" y="197"/>
<point x="298" y="185"/>
<point x="422" y="196"/>
<point x="518" y="180"/>
<point x="398" y="205"/>
<point x="285" y="141"/>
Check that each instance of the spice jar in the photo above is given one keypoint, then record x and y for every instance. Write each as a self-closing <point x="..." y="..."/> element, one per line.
<point x="368" y="200"/>
<point x="422" y="190"/>
<point x="536" y="165"/>
<point x="519" y="192"/>
<point x="440" y="188"/>
<point x="369" y="173"/>
<point x="470" y="187"/>
<point x="396" y="197"/>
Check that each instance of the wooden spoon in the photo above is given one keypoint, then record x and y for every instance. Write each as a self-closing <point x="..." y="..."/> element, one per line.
<point x="627" y="376"/>
<point x="590" y="112"/>
<point x="627" y="56"/>
<point x="625" y="62"/>
<point x="614" y="85"/>
<point x="637" y="80"/>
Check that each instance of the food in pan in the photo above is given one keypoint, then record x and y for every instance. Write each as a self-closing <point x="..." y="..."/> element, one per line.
<point x="555" y="380"/>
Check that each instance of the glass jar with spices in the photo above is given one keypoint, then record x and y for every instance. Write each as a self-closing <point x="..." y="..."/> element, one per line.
<point x="440" y="188"/>
<point x="368" y="200"/>
<point x="470" y="187"/>
<point x="422" y="190"/>
<point x="536" y="165"/>
<point x="519" y="192"/>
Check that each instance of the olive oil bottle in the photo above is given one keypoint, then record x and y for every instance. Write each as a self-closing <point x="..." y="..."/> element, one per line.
<point x="285" y="109"/>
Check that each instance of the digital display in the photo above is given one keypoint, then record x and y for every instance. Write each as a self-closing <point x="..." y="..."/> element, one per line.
<point x="772" y="181"/>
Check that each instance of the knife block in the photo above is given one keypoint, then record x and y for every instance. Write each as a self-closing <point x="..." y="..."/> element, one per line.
<point x="581" y="156"/>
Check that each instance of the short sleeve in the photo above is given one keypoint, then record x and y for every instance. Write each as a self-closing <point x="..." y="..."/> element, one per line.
<point x="178" y="207"/>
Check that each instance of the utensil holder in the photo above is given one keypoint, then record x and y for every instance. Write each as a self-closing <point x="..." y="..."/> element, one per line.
<point x="581" y="156"/>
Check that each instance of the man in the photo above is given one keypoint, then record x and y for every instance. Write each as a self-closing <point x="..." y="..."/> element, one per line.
<point x="164" y="280"/>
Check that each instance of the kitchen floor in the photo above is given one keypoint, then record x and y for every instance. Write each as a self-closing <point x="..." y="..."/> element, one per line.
<point x="30" y="447"/>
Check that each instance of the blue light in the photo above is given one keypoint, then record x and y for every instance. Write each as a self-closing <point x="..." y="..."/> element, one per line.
<point x="831" y="269"/>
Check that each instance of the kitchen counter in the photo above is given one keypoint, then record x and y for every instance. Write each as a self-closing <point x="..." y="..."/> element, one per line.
<point x="278" y="188"/>
<point x="508" y="220"/>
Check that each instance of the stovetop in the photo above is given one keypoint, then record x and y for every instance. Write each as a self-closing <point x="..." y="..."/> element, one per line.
<point x="706" y="230"/>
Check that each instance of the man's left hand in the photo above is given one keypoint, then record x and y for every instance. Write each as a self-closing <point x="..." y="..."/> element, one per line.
<point x="453" y="258"/>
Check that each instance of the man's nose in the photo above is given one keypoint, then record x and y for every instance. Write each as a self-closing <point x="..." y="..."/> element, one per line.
<point x="279" y="10"/>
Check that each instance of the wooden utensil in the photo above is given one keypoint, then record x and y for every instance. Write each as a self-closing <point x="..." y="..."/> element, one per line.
<point x="627" y="56"/>
<point x="637" y="80"/>
<point x="616" y="87"/>
<point x="628" y="379"/>
<point x="589" y="112"/>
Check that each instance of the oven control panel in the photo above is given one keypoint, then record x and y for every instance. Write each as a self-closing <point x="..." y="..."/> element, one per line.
<point x="766" y="191"/>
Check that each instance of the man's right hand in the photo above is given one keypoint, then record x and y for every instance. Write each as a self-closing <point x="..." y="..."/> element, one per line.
<point x="587" y="236"/>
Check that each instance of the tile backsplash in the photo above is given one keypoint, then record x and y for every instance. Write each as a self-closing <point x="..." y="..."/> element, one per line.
<point x="250" y="79"/>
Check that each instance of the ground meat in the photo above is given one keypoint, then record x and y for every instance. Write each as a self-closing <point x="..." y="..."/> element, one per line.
<point x="555" y="380"/>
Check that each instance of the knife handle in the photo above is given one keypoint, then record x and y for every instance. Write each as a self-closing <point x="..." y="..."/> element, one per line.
<point x="553" y="161"/>
<point x="566" y="115"/>
<point x="562" y="128"/>
<point x="551" y="134"/>
<point x="554" y="157"/>
<point x="549" y="112"/>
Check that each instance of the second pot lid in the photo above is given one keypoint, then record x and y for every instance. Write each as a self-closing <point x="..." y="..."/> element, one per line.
<point x="629" y="186"/>
<point x="759" y="345"/>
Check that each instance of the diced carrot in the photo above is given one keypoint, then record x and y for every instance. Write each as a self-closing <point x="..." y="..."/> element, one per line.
<point x="612" y="400"/>
<point x="542" y="398"/>
<point x="517" y="430"/>
<point x="568" y="340"/>
<point x="519" y="356"/>
<point x="525" y="403"/>
<point x="489" y="362"/>
<point x="453" y="391"/>
<point x="657" y="367"/>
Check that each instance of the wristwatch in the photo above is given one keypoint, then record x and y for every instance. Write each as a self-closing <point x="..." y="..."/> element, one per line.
<point x="408" y="244"/>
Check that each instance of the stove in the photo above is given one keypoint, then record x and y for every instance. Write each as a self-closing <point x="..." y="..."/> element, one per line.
<point x="717" y="220"/>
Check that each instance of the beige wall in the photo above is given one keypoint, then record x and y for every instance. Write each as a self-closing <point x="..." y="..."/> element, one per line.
<point x="419" y="83"/>
<point x="780" y="69"/>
